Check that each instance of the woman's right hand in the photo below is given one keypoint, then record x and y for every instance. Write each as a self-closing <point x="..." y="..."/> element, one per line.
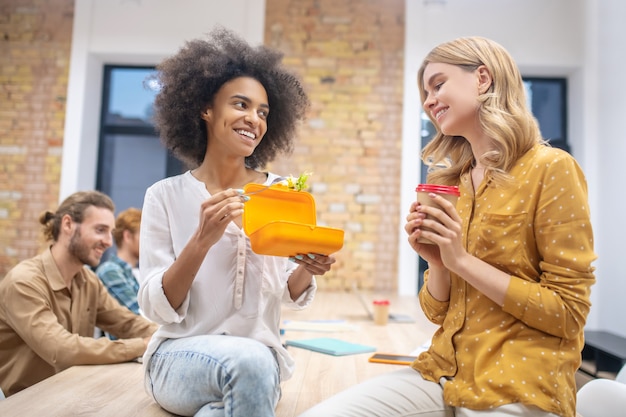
<point x="215" y="214"/>
<point x="429" y="252"/>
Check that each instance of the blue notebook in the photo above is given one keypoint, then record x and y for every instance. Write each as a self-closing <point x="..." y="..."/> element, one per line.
<point x="331" y="346"/>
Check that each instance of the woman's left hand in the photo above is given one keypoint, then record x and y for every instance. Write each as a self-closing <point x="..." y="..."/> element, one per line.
<point x="313" y="263"/>
<point x="309" y="265"/>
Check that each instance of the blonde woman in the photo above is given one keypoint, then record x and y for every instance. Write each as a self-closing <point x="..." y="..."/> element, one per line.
<point x="510" y="272"/>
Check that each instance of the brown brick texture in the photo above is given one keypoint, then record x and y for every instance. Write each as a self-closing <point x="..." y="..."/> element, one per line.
<point x="35" y="40"/>
<point x="350" y="55"/>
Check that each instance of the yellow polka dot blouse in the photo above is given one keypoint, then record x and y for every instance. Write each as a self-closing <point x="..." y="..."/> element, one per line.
<point x="537" y="229"/>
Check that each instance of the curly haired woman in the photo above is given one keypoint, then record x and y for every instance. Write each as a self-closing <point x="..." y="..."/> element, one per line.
<point x="226" y="109"/>
<point x="510" y="270"/>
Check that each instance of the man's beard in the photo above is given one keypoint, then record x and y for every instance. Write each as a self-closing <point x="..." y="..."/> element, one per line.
<point x="80" y="250"/>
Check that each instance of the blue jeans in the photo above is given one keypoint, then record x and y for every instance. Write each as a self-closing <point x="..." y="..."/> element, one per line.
<point x="215" y="375"/>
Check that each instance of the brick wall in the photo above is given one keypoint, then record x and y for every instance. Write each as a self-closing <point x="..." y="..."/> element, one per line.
<point x="350" y="55"/>
<point x="35" y="38"/>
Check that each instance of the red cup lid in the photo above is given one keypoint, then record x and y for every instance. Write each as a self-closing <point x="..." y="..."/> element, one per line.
<point x="381" y="302"/>
<point x="438" y="189"/>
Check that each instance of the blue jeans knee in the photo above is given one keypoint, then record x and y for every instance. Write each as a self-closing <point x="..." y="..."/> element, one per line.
<point x="215" y="375"/>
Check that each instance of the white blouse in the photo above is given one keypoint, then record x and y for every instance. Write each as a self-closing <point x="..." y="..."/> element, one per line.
<point x="235" y="292"/>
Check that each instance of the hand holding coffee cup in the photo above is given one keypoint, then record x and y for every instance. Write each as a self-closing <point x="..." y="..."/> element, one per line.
<point x="449" y="192"/>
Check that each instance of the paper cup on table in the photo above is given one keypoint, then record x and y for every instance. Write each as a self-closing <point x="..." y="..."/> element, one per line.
<point x="449" y="192"/>
<point x="381" y="312"/>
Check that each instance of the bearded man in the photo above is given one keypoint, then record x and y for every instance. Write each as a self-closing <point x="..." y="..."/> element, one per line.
<point x="53" y="302"/>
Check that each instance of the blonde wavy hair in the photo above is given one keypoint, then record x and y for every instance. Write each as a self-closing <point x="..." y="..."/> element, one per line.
<point x="503" y="113"/>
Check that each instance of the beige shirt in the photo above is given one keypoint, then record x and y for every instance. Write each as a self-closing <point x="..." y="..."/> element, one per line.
<point x="538" y="230"/>
<point x="45" y="328"/>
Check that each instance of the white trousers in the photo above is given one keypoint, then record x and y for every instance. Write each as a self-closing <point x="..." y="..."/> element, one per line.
<point x="404" y="393"/>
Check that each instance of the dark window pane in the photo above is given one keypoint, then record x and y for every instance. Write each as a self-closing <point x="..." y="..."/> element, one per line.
<point x="129" y="164"/>
<point x="547" y="99"/>
<point x="131" y="156"/>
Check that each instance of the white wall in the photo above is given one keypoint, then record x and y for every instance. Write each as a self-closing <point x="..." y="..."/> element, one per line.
<point x="578" y="39"/>
<point x="608" y="99"/>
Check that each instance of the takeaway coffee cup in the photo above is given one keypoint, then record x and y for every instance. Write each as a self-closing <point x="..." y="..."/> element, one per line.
<point x="449" y="192"/>
<point x="381" y="312"/>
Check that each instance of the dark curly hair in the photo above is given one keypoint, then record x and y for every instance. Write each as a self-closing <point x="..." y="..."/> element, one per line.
<point x="190" y="79"/>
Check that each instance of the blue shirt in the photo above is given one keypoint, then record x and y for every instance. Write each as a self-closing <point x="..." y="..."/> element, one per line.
<point x="117" y="276"/>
